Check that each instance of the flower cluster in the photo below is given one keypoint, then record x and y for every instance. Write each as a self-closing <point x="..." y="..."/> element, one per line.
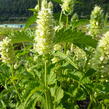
<point x="67" y="6"/>
<point x="96" y="21"/>
<point x="102" y="52"/>
<point x="103" y="46"/>
<point x="45" y="29"/>
<point x="7" y="51"/>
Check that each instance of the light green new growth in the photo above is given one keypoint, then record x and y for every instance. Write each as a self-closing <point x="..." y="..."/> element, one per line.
<point x="96" y="21"/>
<point x="7" y="51"/>
<point x="44" y="30"/>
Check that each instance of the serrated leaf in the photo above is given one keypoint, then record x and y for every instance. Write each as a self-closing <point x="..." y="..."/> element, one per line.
<point x="21" y="36"/>
<point x="77" y="37"/>
<point x="31" y="20"/>
<point x="52" y="91"/>
<point x="51" y="78"/>
<point x="31" y="93"/>
<point x="89" y="72"/>
<point x="59" y="94"/>
<point x="64" y="56"/>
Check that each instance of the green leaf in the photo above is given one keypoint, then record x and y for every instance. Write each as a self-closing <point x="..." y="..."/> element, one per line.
<point x="30" y="21"/>
<point x="22" y="36"/>
<point x="59" y="94"/>
<point x="74" y="77"/>
<point x="77" y="37"/>
<point x="31" y="94"/>
<point x="64" y="56"/>
<point x="52" y="78"/>
<point x="89" y="72"/>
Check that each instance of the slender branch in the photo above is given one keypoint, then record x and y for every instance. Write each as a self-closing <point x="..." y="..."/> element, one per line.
<point x="12" y="75"/>
<point x="60" y="18"/>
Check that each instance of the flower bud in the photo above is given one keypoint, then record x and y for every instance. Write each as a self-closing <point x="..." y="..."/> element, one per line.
<point x="57" y="47"/>
<point x="55" y="60"/>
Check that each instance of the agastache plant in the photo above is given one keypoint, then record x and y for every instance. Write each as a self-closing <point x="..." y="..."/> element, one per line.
<point x="96" y="21"/>
<point x="7" y="51"/>
<point x="45" y="29"/>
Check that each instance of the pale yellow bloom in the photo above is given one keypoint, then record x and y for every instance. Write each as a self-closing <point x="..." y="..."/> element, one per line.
<point x="96" y="21"/>
<point x="103" y="45"/>
<point x="44" y="30"/>
<point x="67" y="6"/>
<point x="7" y="51"/>
<point x="101" y="58"/>
<point x="55" y="60"/>
<point x="57" y="47"/>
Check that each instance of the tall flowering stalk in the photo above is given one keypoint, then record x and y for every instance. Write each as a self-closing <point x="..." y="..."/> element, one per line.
<point x="96" y="21"/>
<point x="45" y="29"/>
<point x="8" y="56"/>
<point x="7" y="51"/>
<point x="44" y="43"/>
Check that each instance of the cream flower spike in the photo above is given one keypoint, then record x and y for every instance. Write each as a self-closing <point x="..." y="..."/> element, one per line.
<point x="44" y="30"/>
<point x="7" y="51"/>
<point x="104" y="45"/>
<point x="67" y="6"/>
<point x="96" y="21"/>
<point x="101" y="57"/>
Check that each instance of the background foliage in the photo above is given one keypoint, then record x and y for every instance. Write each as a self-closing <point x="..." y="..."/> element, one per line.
<point x="18" y="9"/>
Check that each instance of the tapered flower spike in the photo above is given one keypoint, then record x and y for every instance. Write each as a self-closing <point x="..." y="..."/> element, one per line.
<point x="7" y="51"/>
<point x="96" y="21"/>
<point x="101" y="57"/>
<point x="50" y="5"/>
<point x="44" y="30"/>
<point x="103" y="45"/>
<point x="67" y="6"/>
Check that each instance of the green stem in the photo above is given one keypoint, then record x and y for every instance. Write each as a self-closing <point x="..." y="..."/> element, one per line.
<point x="90" y="103"/>
<point x="48" y="100"/>
<point x="45" y="77"/>
<point x="39" y="4"/>
<point x="12" y="73"/>
<point x="67" y="19"/>
<point x="60" y="18"/>
<point x="45" y="81"/>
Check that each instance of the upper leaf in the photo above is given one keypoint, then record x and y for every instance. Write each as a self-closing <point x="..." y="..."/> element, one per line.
<point x="77" y="37"/>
